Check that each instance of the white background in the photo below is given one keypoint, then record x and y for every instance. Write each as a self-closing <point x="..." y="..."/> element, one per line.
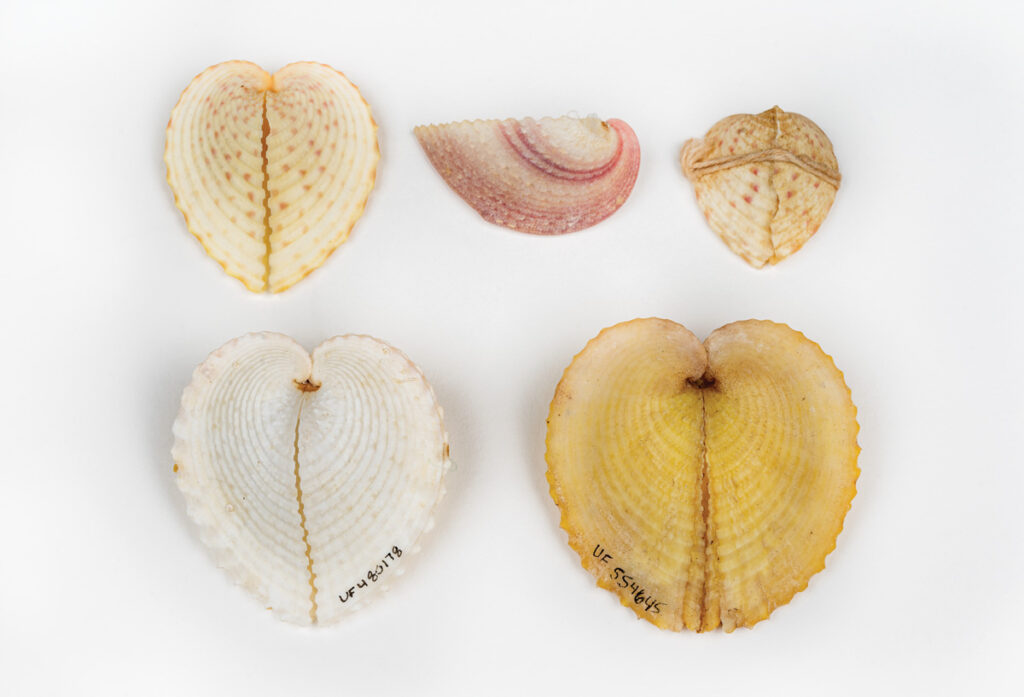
<point x="913" y="285"/>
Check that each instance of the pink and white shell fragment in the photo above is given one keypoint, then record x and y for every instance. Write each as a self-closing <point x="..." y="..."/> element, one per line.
<point x="545" y="177"/>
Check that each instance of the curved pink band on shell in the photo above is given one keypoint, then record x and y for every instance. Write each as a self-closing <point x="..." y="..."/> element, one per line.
<point x="545" y="177"/>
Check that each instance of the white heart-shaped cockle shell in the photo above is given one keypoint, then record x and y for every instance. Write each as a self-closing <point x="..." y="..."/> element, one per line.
<point x="311" y="479"/>
<point x="234" y="454"/>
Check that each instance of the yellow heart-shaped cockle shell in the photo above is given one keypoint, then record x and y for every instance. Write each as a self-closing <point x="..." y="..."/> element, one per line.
<point x="704" y="484"/>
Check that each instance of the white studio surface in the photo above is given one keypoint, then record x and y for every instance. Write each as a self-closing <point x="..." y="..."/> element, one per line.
<point x="912" y="285"/>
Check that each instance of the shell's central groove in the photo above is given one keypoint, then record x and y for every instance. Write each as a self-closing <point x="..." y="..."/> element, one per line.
<point x="302" y="518"/>
<point x="774" y="258"/>
<point x="705" y="503"/>
<point x="266" y="194"/>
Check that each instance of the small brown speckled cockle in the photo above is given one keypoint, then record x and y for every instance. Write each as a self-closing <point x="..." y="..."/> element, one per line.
<point x="765" y="182"/>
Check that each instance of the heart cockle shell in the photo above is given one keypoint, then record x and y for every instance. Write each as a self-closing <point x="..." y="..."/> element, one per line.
<point x="312" y="478"/>
<point x="765" y="182"/>
<point x="271" y="171"/>
<point x="545" y="177"/>
<point x="704" y="484"/>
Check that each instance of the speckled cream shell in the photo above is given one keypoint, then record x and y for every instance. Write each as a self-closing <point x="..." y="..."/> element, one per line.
<point x="703" y="484"/>
<point x="546" y="177"/>
<point x="312" y="479"/>
<point x="765" y="182"/>
<point x="271" y="171"/>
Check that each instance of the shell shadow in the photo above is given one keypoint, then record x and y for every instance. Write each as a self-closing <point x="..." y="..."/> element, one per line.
<point x="535" y="402"/>
<point x="168" y="378"/>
